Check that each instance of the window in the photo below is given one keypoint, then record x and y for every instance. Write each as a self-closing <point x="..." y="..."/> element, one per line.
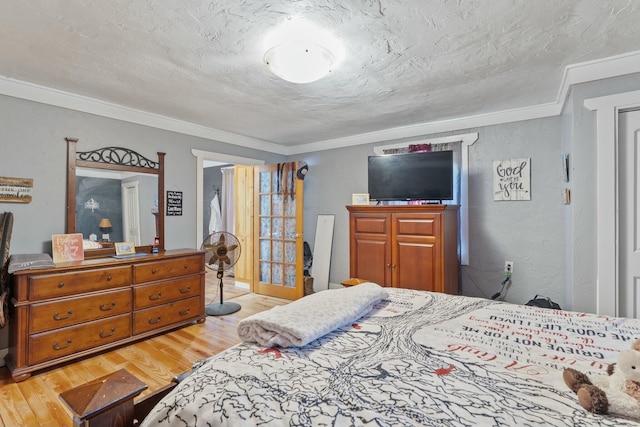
<point x="460" y="145"/>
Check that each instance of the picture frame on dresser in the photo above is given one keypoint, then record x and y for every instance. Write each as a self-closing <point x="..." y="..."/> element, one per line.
<point x="125" y="248"/>
<point x="360" y="199"/>
<point x="67" y="247"/>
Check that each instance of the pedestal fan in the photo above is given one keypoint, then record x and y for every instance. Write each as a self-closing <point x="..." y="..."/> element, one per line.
<point x="222" y="252"/>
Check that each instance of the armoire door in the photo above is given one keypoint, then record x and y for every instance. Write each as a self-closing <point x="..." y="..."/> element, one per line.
<point x="370" y="247"/>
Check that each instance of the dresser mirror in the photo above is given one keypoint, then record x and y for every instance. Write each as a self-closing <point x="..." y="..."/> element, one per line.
<point x="114" y="195"/>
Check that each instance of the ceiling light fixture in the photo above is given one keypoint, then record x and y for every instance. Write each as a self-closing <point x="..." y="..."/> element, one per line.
<point x="300" y="52"/>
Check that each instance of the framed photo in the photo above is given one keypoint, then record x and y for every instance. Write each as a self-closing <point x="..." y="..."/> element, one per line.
<point x="125" y="248"/>
<point x="360" y="199"/>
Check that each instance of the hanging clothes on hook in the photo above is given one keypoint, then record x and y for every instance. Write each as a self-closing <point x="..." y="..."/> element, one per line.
<point x="285" y="180"/>
<point x="279" y="178"/>
<point x="215" y="221"/>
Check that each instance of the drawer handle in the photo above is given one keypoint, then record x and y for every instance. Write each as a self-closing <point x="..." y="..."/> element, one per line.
<point x="60" y="285"/>
<point x="152" y="321"/>
<point x="107" y="307"/>
<point x="185" y="291"/>
<point x="186" y="266"/>
<point x="153" y="297"/>
<point x="56" y="316"/>
<point x="183" y="312"/>
<point x="109" y="278"/>
<point x="154" y="271"/>
<point x="103" y="335"/>
<point x="57" y="347"/>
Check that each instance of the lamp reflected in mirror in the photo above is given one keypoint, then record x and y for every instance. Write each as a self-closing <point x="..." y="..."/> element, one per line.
<point x="105" y="226"/>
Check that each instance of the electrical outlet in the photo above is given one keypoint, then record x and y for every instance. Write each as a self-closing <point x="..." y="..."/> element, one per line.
<point x="508" y="267"/>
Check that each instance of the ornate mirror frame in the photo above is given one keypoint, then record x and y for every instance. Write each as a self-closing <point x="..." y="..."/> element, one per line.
<point x="114" y="159"/>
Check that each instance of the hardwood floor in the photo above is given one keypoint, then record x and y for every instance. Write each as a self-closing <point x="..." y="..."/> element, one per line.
<point x="35" y="402"/>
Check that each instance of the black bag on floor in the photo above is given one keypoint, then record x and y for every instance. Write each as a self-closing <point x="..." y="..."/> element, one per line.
<point x="543" y="302"/>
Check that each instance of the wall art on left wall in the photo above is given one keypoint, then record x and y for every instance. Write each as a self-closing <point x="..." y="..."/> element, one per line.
<point x="15" y="190"/>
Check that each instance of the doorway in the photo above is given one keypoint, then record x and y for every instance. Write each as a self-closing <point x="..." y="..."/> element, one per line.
<point x="607" y="110"/>
<point x="629" y="239"/>
<point x="131" y="212"/>
<point x="206" y="158"/>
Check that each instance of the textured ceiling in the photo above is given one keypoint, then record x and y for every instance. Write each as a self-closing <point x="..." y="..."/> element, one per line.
<point x="407" y="61"/>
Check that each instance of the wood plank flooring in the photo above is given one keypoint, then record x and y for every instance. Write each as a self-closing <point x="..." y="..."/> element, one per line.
<point x="35" y="402"/>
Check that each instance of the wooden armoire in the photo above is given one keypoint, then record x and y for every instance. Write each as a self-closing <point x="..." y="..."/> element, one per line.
<point x="407" y="246"/>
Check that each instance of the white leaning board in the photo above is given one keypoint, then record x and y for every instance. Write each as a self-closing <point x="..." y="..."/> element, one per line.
<point x="322" y="252"/>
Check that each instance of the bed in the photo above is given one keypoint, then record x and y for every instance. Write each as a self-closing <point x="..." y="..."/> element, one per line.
<point x="417" y="358"/>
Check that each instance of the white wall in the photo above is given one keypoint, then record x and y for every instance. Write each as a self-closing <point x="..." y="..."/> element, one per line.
<point x="33" y="146"/>
<point x="530" y="233"/>
<point x="582" y="214"/>
<point x="553" y="245"/>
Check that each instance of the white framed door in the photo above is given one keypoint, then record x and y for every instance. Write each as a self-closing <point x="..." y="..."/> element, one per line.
<point x="131" y="212"/>
<point x="629" y="220"/>
<point x="607" y="110"/>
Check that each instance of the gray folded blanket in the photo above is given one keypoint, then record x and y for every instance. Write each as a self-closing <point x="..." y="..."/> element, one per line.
<point x="302" y="321"/>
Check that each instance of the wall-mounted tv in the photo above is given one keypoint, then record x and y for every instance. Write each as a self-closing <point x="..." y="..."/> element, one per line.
<point x="412" y="176"/>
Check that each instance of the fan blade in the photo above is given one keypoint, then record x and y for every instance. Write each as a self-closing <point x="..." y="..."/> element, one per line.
<point x="211" y="248"/>
<point x="232" y="247"/>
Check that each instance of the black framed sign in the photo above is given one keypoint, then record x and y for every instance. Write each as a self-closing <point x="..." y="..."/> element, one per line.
<point x="174" y="203"/>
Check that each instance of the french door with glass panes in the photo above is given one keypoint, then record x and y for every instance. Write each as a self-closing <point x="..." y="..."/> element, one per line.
<point x="278" y="205"/>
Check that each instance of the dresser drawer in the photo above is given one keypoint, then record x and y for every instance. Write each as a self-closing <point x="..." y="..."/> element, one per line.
<point x="46" y="316"/>
<point x="62" y="342"/>
<point x="161" y="293"/>
<point x="166" y="269"/>
<point x="57" y="285"/>
<point x="163" y="315"/>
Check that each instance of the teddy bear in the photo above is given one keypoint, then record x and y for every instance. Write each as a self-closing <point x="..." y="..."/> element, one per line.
<point x="617" y="393"/>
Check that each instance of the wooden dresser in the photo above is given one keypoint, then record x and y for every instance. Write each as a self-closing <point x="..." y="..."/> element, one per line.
<point x="408" y="246"/>
<point x="80" y="308"/>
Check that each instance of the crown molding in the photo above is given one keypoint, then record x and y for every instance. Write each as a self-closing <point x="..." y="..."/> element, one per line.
<point x="613" y="66"/>
<point x="59" y="98"/>
<point x="422" y="129"/>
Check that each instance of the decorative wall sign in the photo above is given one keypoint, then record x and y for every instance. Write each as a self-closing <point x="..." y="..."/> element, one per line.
<point x="67" y="247"/>
<point x="512" y="179"/>
<point x="16" y="190"/>
<point x="174" y="203"/>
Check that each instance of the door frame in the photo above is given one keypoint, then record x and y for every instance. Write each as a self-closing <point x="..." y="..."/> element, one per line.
<point x="607" y="109"/>
<point x="126" y="217"/>
<point x="201" y="156"/>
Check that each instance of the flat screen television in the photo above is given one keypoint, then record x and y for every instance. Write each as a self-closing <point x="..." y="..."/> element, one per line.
<point x="412" y="176"/>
